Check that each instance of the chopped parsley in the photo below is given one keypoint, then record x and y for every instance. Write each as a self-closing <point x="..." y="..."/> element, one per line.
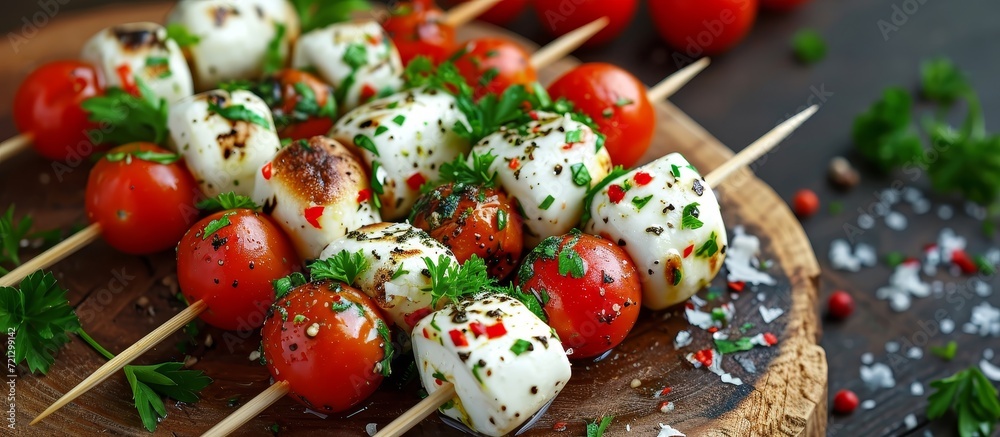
<point x="689" y="217"/>
<point x="227" y="201"/>
<point x="574" y="136"/>
<point x="217" y="224"/>
<point x="547" y="202"/>
<point x="399" y="119"/>
<point x="181" y="35"/>
<point x="708" y="249"/>
<point x="640" y="202"/>
<point x="581" y="176"/>
<point x="501" y="219"/>
<point x="356" y="56"/>
<point x="809" y="46"/>
<point x="345" y="267"/>
<point x="366" y="143"/>
<point x="521" y="346"/>
<point x="239" y="113"/>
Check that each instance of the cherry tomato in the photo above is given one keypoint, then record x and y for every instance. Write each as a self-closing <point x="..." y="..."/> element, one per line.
<point x="303" y="105"/>
<point x="617" y="102"/>
<point x="844" y="402"/>
<point x="703" y="27"/>
<point x="840" y="305"/>
<point x="142" y="206"/>
<point x="805" y="203"/>
<point x="327" y="341"/>
<point x="470" y="219"/>
<point x="47" y="106"/>
<point x="782" y="5"/>
<point x="231" y="267"/>
<point x="562" y="16"/>
<point x="420" y="31"/>
<point x="490" y="65"/>
<point x="589" y="288"/>
<point x="501" y="13"/>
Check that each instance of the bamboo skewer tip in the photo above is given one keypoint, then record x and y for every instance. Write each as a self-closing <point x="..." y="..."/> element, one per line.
<point x="14" y="145"/>
<point x="466" y="12"/>
<point x="671" y="84"/>
<point x="249" y="410"/>
<point x="564" y="45"/>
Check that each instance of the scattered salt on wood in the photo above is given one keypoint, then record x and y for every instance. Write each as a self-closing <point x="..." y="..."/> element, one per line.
<point x="868" y="404"/>
<point x="915" y="353"/>
<point x="866" y="255"/>
<point x="917" y="389"/>
<point x="867" y="358"/>
<point x="747" y="364"/>
<point x="891" y="347"/>
<point x="669" y="431"/>
<point x="866" y="221"/>
<point x="947" y="326"/>
<point x="682" y="339"/>
<point x="985" y="321"/>
<point x="371" y="429"/>
<point x="904" y="283"/>
<point x="945" y="212"/>
<point x="761" y="297"/>
<point x="769" y="315"/>
<point x="895" y="221"/>
<point x="910" y="421"/>
<point x="741" y="259"/>
<point x="877" y="375"/>
<point x="842" y="257"/>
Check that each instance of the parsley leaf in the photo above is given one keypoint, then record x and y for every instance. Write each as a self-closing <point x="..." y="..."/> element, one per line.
<point x="388" y="351"/>
<point x="356" y="56"/>
<point x="41" y="316"/>
<point x="344" y="267"/>
<point x="581" y="176"/>
<point x="315" y="14"/>
<point x="143" y="155"/>
<point x="362" y="141"/>
<point x="883" y="134"/>
<point x="151" y="383"/>
<point x="530" y="300"/>
<point x="376" y="184"/>
<point x="11" y="234"/>
<point x="181" y="35"/>
<point x="640" y="202"/>
<point x="946" y="352"/>
<point x="973" y="398"/>
<point x="809" y="46"/>
<point x="588" y="200"/>
<point x="689" y="217"/>
<point x="942" y="82"/>
<point x="227" y="201"/>
<point x="549" y="200"/>
<point x="127" y="118"/>
<point x="217" y="224"/>
<point x="451" y="280"/>
<point x="597" y="428"/>
<point x="709" y="248"/>
<point x="460" y="171"/>
<point x="274" y="60"/>
<point x="239" y="113"/>
<point x="288" y="283"/>
<point x="729" y="346"/>
<point x="521" y="346"/>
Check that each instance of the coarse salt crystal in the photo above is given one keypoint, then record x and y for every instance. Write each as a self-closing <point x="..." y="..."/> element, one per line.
<point x="991" y="371"/>
<point x="985" y="321"/>
<point x="669" y="431"/>
<point x="697" y="318"/>
<point x="947" y="326"/>
<point x="741" y="259"/>
<point x="865" y="253"/>
<point x="697" y="301"/>
<point x="915" y="353"/>
<point x="921" y="206"/>
<point x="682" y="339"/>
<point x="761" y="297"/>
<point x="981" y="288"/>
<point x="842" y="257"/>
<point x="945" y="212"/>
<point x="867" y="358"/>
<point x="911" y="194"/>
<point x="988" y="353"/>
<point x="747" y="364"/>
<point x="895" y="221"/>
<point x="877" y="375"/>
<point x="866" y="221"/>
<point x="910" y="421"/>
<point x="917" y="389"/>
<point x="254" y="355"/>
<point x="891" y="347"/>
<point x="868" y="404"/>
<point x="769" y="315"/>
<point x="371" y="429"/>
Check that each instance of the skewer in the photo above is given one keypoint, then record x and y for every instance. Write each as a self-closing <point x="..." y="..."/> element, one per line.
<point x="565" y="44"/>
<point x="427" y="406"/>
<point x="14" y="145"/>
<point x="466" y="12"/>
<point x="668" y="86"/>
<point x="91" y="233"/>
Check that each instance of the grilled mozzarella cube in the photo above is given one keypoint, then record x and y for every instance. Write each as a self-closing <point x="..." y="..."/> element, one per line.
<point x="668" y="221"/>
<point x="223" y="153"/>
<point x="140" y="51"/>
<point x="505" y="363"/>
<point x="317" y="191"/>
<point x="395" y="277"/>
<point x="282" y="12"/>
<point x="547" y="165"/>
<point x="409" y="135"/>
<point x="357" y="58"/>
<point x="233" y="38"/>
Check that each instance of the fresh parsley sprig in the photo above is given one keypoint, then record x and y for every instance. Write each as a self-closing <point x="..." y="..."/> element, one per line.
<point x="315" y="14"/>
<point x="151" y="383"/>
<point x="598" y="427"/>
<point x="884" y="134"/>
<point x="11" y="234"/>
<point x="238" y="112"/>
<point x="973" y="398"/>
<point x="128" y="118"/>
<point x="344" y="267"/>
<point x="227" y="201"/>
<point x="530" y="300"/>
<point x="451" y="280"/>
<point x="181" y="35"/>
<point x="461" y="171"/>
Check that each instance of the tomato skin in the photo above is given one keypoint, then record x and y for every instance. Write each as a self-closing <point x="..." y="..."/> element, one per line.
<point x="420" y="31"/>
<point x="481" y="56"/>
<point x="617" y="102"/>
<point x="279" y="92"/>
<point x="593" y="313"/>
<point x="335" y="368"/>
<point x="703" y="27"/>
<point x="561" y="16"/>
<point x="501" y="13"/>
<point x="782" y="5"/>
<point x="478" y="233"/>
<point x="142" y="207"/>
<point x="47" y="106"/>
<point x="232" y="268"/>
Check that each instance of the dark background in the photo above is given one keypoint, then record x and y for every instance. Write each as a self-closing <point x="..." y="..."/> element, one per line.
<point x="750" y="89"/>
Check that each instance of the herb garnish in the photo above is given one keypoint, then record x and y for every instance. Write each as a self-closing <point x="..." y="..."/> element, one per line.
<point x="973" y="398"/>
<point x="689" y="217"/>
<point x="181" y="35"/>
<point x="315" y="14"/>
<point x="128" y="118"/>
<point x="451" y="280"/>
<point x="227" y="201"/>
<point x="460" y="171"/>
<point x="809" y="46"/>
<point x="588" y="200"/>
<point x="239" y="113"/>
<point x="597" y="428"/>
<point x="344" y="267"/>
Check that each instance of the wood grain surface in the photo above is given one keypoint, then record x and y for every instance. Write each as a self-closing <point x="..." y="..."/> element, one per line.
<point x="786" y="396"/>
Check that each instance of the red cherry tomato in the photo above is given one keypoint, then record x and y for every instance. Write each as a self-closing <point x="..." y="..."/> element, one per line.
<point x="782" y="5"/>
<point x="323" y="339"/>
<point x="840" y="305"/>
<point x="617" y="102"/>
<point x="590" y="290"/>
<point x="703" y="27"/>
<point x="490" y="65"/>
<point x="845" y="402"/>
<point x="501" y="13"/>
<point x="47" y="106"/>
<point x="231" y="268"/>
<point x="142" y="206"/>
<point x="562" y="16"/>
<point x="303" y="105"/>
<point x="420" y="31"/>
<point x="805" y="203"/>
<point x="492" y="230"/>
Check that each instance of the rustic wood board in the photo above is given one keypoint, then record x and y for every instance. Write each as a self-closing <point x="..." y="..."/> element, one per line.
<point x="786" y="396"/>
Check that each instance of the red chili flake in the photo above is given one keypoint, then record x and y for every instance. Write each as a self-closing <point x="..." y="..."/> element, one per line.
<point x="128" y="79"/>
<point x="458" y="338"/>
<point x="911" y="261"/>
<point x="559" y="426"/>
<point x="373" y="39"/>
<point x="426" y="334"/>
<point x="666" y="391"/>
<point x="642" y="178"/>
<point x="736" y="286"/>
<point x="367" y="92"/>
<point x="770" y="338"/>
<point x="616" y="193"/>
<point x="477" y="328"/>
<point x="437" y="381"/>
<point x="266" y="171"/>
<point x="414" y="317"/>
<point x="312" y="215"/>
<point x="689" y="305"/>
<point x="962" y="260"/>
<point x="336" y="298"/>
<point x="688" y="250"/>
<point x="496" y="330"/>
<point x="930" y="247"/>
<point x="536" y="129"/>
<point x="514" y="164"/>
<point x="533" y="115"/>
<point x="567" y="146"/>
<point x="664" y="406"/>
<point x="415" y="181"/>
<point x="713" y="330"/>
<point x="364" y="195"/>
<point x="704" y="357"/>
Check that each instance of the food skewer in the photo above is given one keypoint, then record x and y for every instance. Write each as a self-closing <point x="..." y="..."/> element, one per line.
<point x="14" y="145"/>
<point x="466" y="12"/>
<point x="425" y="408"/>
<point x="92" y="232"/>
<point x="671" y="84"/>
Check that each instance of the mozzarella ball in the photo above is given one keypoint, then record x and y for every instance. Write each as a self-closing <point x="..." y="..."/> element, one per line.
<point x="411" y="136"/>
<point x="223" y="153"/>
<point x="233" y="39"/>
<point x="284" y="13"/>
<point x="140" y="51"/>
<point x="547" y="165"/>
<point x="504" y="361"/>
<point x="357" y="58"/>
<point x="395" y="279"/>
<point x="317" y="191"/>
<point x="667" y="219"/>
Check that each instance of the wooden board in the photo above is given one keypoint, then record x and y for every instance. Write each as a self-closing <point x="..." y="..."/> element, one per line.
<point x="786" y="396"/>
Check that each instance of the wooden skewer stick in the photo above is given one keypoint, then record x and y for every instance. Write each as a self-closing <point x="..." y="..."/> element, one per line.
<point x="466" y="12"/>
<point x="760" y="147"/>
<point x="14" y="145"/>
<point x="249" y="410"/>
<point x="419" y="412"/>
<point x="667" y="87"/>
<point x="565" y="44"/>
<point x="53" y="255"/>
<point x="140" y="347"/>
